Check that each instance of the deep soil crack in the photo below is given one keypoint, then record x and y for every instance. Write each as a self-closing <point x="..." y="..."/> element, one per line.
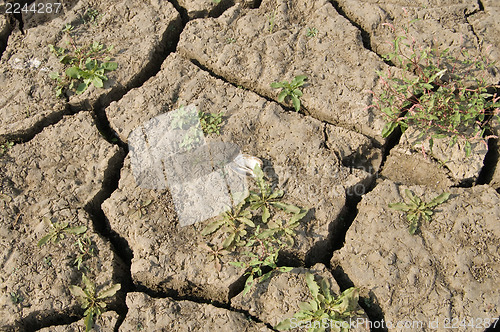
<point x="365" y="36"/>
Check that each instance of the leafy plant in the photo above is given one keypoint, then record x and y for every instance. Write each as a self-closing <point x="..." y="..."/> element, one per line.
<point x="265" y="260"/>
<point x="253" y="226"/>
<point x="16" y="298"/>
<point x="324" y="307"/>
<point x="210" y="123"/>
<point x="58" y="231"/>
<point x="417" y="209"/>
<point x="91" y="300"/>
<point x="444" y="96"/>
<point x="84" y="66"/>
<point x="311" y="32"/>
<point x="291" y="89"/>
<point x="85" y="250"/>
<point x="91" y="16"/>
<point x="5" y="147"/>
<point x="233" y="223"/>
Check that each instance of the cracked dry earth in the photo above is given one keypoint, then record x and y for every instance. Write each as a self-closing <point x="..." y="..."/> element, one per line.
<point x="70" y="163"/>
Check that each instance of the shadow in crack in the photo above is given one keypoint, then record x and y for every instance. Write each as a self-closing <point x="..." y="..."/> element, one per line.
<point x="368" y="301"/>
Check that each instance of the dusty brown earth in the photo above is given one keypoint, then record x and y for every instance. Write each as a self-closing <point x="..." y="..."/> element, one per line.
<point x="71" y="163"/>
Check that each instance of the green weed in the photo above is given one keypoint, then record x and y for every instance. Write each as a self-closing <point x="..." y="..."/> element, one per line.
<point x="445" y="97"/>
<point x="91" y="300"/>
<point x="311" y="32"/>
<point x="85" y="250"/>
<point x="271" y="18"/>
<point x="210" y="122"/>
<point x="58" y="231"/>
<point x="85" y="66"/>
<point x="417" y="209"/>
<point x="324" y="307"/>
<point x="6" y="146"/>
<point x="291" y="89"/>
<point x="16" y="298"/>
<point x="91" y="16"/>
<point x="255" y="227"/>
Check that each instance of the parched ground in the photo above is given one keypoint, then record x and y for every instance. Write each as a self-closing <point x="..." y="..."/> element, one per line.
<point x="72" y="164"/>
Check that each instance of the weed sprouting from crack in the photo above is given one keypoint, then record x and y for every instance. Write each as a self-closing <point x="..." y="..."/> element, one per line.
<point x="444" y="97"/>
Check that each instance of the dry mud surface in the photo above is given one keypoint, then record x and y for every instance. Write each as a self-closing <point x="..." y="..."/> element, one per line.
<point x="71" y="163"/>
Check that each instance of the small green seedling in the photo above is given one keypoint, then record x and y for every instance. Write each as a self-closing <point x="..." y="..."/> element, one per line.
<point x="58" y="231"/>
<point x="16" y="298"/>
<point x="291" y="89"/>
<point x="324" y="307"/>
<point x="91" y="301"/>
<point x="311" y="32"/>
<point x="417" y="209"/>
<point x="91" y="16"/>
<point x="271" y="19"/>
<point x="5" y="147"/>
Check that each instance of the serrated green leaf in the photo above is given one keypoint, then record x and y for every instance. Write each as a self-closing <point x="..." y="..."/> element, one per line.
<point x="265" y="214"/>
<point x="76" y="230"/>
<point x="284" y="325"/>
<point x="110" y="66"/>
<point x="306" y="306"/>
<point x="299" y="79"/>
<point x="97" y="82"/>
<point x="276" y="85"/>
<point x="312" y="285"/>
<point x="212" y="227"/>
<point x="267" y="233"/>
<point x="282" y="95"/>
<point x="297" y="217"/>
<point x="44" y="240"/>
<point x="81" y="88"/>
<point x="399" y="206"/>
<point x="439" y="199"/>
<point x="77" y="292"/>
<point x="246" y="221"/>
<point x="388" y="129"/>
<point x="109" y="292"/>
<point x="290" y="208"/>
<point x="296" y="103"/>
<point x="89" y="322"/>
<point x="325" y="290"/>
<point x="73" y="72"/>
<point x="413" y="227"/>
<point x="54" y="75"/>
<point x="228" y="241"/>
